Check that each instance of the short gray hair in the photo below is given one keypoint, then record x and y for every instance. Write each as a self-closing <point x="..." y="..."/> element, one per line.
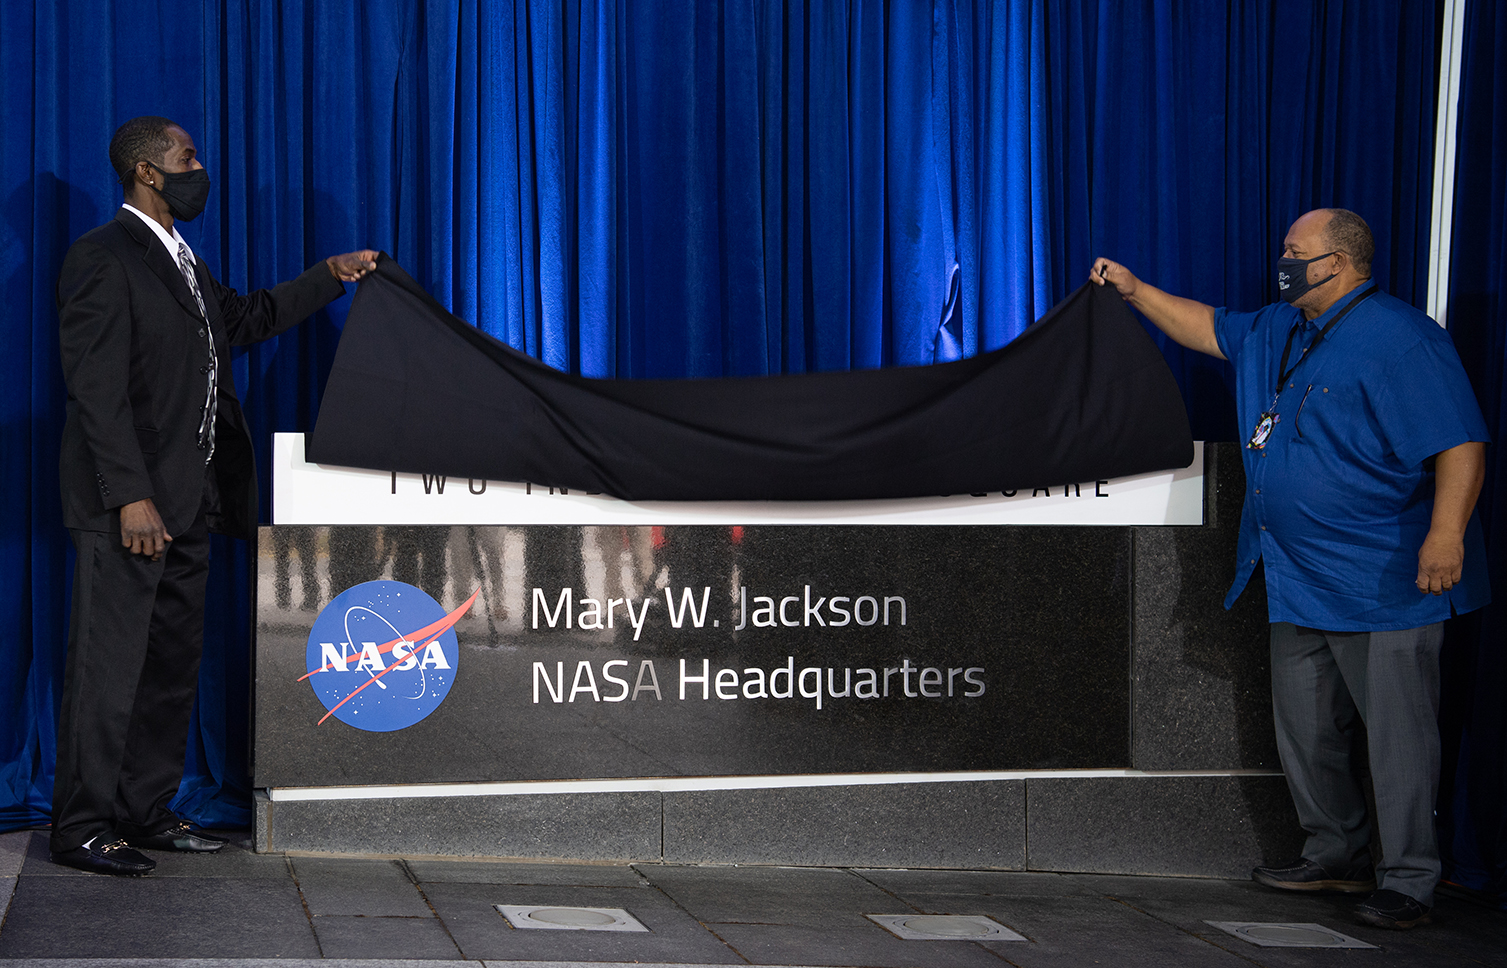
<point x="1349" y="233"/>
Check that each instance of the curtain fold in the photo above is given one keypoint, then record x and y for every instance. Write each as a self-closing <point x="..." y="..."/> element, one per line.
<point x="631" y="188"/>
<point x="1472" y="812"/>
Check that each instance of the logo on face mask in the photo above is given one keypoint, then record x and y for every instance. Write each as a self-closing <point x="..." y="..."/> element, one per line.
<point x="1292" y="277"/>
<point x="383" y="655"/>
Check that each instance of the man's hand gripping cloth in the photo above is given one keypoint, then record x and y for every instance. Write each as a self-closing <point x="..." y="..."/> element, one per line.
<point x="1082" y="395"/>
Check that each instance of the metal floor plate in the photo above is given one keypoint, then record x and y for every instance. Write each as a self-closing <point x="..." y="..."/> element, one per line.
<point x="554" y="917"/>
<point x="944" y="927"/>
<point x="1288" y="934"/>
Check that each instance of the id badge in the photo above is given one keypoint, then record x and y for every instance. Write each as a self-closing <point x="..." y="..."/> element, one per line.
<point x="1263" y="430"/>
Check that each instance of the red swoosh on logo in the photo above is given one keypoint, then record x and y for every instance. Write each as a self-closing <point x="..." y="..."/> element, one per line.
<point x="420" y="637"/>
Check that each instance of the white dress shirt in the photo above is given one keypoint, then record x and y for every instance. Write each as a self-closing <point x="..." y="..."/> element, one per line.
<point x="170" y="240"/>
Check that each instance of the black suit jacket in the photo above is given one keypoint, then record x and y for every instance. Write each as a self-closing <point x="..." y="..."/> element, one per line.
<point x="135" y="356"/>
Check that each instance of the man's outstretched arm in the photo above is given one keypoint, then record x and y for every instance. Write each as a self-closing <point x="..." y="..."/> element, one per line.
<point x="1187" y="321"/>
<point x="265" y="313"/>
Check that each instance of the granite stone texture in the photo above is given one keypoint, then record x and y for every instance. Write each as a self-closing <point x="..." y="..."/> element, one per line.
<point x="1096" y="648"/>
<point x="454" y="871"/>
<point x="697" y="915"/>
<point x="826" y="650"/>
<point x="386" y="938"/>
<point x="261" y="821"/>
<point x="1201" y="674"/>
<point x="588" y="826"/>
<point x="354" y="888"/>
<point x="803" y="916"/>
<point x="976" y="825"/>
<point x="872" y="947"/>
<point x="480" y="931"/>
<point x="1071" y="932"/>
<point x="813" y="898"/>
<point x="13" y="847"/>
<point x="974" y="883"/>
<point x="1210" y="826"/>
<point x="1453" y="938"/>
<point x="92" y="917"/>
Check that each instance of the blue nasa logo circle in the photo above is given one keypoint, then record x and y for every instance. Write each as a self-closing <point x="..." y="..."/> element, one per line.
<point x="382" y="655"/>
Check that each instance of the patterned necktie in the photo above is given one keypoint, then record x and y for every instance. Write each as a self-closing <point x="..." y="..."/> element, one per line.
<point x="211" y="399"/>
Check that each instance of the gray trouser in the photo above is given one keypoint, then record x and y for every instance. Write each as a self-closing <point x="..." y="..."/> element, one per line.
<point x="1323" y="683"/>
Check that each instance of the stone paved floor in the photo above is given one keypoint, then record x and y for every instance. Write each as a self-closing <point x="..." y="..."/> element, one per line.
<point x="241" y="908"/>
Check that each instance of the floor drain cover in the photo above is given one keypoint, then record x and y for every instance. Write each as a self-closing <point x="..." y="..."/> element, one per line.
<point x="944" y="927"/>
<point x="1269" y="935"/>
<point x="570" y="918"/>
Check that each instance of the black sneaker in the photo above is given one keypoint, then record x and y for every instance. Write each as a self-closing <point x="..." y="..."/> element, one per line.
<point x="1391" y="909"/>
<point x="109" y="858"/>
<point x="1305" y="875"/>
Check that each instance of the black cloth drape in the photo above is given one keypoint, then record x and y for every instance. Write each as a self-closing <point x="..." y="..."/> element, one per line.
<point x="1082" y="395"/>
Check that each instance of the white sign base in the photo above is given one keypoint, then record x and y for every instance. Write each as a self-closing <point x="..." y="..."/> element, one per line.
<point x="304" y="493"/>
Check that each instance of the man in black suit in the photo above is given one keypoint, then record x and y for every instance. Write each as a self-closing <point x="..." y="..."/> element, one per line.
<point x="155" y="456"/>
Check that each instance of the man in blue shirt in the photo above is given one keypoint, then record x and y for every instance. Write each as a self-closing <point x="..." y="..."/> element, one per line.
<point x="1364" y="455"/>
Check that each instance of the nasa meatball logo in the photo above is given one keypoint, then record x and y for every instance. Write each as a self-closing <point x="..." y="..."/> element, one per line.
<point x="382" y="655"/>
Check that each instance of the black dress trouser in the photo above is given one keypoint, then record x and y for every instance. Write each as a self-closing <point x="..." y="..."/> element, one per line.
<point x="135" y="636"/>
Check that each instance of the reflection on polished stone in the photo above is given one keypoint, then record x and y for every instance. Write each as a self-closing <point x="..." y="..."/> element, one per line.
<point x="1201" y="675"/>
<point x="642" y="651"/>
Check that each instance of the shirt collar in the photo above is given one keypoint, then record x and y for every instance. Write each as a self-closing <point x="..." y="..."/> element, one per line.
<point x="170" y="241"/>
<point x="1319" y="322"/>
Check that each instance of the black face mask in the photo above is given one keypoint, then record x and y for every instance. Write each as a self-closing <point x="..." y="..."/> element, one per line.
<point x="184" y="191"/>
<point x="1292" y="277"/>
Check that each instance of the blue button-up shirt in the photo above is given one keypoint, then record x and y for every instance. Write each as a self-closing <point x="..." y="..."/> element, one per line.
<point x="1339" y="500"/>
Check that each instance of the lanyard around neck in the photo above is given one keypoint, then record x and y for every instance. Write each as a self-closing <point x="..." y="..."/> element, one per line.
<point x="1282" y="368"/>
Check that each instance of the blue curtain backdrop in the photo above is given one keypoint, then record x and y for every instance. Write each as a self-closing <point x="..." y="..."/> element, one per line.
<point x="1473" y="795"/>
<point x="649" y="188"/>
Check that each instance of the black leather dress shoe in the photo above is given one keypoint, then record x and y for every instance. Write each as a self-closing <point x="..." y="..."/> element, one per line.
<point x="183" y="837"/>
<point x="110" y="858"/>
<point x="1391" y="909"/>
<point x="1308" y="876"/>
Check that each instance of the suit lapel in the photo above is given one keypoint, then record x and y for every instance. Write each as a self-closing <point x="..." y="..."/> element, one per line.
<point x="156" y="257"/>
